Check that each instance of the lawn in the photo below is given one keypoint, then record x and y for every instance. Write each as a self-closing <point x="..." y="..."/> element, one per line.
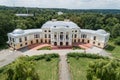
<point x="78" y="67"/>
<point x="47" y="70"/>
<point x="114" y="49"/>
<point x="45" y="48"/>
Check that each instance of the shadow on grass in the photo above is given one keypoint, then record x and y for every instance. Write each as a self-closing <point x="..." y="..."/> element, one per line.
<point x="109" y="47"/>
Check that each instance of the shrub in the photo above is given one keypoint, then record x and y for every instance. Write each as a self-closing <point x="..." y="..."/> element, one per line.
<point x="78" y="55"/>
<point x="48" y="58"/>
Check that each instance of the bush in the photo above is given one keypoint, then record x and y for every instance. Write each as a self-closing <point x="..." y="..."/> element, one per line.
<point x="39" y="57"/>
<point x="48" y="58"/>
<point x="117" y="41"/>
<point x="78" y="55"/>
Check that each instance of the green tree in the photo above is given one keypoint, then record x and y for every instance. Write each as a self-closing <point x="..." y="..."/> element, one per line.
<point x="104" y="70"/>
<point x="116" y="30"/>
<point x="22" y="70"/>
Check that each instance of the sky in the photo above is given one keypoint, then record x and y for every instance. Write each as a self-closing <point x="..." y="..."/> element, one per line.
<point x="69" y="4"/>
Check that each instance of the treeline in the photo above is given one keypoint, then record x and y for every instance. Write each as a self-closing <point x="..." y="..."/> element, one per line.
<point x="88" y="19"/>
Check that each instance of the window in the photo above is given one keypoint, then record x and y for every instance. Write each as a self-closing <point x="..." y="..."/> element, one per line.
<point x="49" y="31"/>
<point x="88" y="41"/>
<point x="75" y="40"/>
<point x="20" y="45"/>
<point x="36" y="36"/>
<point x="25" y="38"/>
<point x="45" y="41"/>
<point x="49" y="41"/>
<point x="94" y="38"/>
<point x="78" y="40"/>
<point x="93" y="42"/>
<point x="49" y="36"/>
<point x="75" y="30"/>
<point x="31" y="42"/>
<point x="45" y="30"/>
<point x="25" y="43"/>
<point x="20" y="40"/>
<point x="67" y="43"/>
<point x="66" y="36"/>
<point x="45" y="35"/>
<point x="13" y="40"/>
<point x="75" y="35"/>
<point x="98" y="44"/>
<point x="37" y="41"/>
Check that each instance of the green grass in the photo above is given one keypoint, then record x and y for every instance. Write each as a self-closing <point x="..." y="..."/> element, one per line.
<point x="75" y="47"/>
<point x="47" y="70"/>
<point x="45" y="48"/>
<point x="78" y="67"/>
<point x="114" y="49"/>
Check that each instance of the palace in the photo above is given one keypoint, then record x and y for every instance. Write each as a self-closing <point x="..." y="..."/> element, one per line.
<point x="58" y="33"/>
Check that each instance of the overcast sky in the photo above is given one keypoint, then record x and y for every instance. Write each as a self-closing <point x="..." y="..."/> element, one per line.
<point x="70" y="4"/>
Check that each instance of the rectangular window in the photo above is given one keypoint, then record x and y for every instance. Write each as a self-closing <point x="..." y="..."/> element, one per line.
<point x="20" y="40"/>
<point x="25" y="38"/>
<point x="94" y="38"/>
<point x="45" y="35"/>
<point x="49" y="36"/>
<point x="36" y="36"/>
<point x="66" y="36"/>
<point x="13" y="40"/>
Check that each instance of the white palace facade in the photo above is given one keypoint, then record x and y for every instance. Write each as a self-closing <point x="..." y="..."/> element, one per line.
<point x="57" y="33"/>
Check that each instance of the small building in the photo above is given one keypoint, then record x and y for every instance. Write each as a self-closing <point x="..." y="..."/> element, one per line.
<point x="60" y="13"/>
<point x="58" y="33"/>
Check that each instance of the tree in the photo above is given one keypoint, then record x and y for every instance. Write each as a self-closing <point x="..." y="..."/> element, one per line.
<point x="22" y="70"/>
<point x="117" y="41"/>
<point x="104" y="70"/>
<point x="116" y="30"/>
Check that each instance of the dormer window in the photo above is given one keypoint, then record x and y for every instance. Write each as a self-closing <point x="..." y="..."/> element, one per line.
<point x="54" y="26"/>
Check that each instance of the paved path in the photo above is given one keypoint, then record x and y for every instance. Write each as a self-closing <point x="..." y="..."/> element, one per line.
<point x="7" y="56"/>
<point x="64" y="73"/>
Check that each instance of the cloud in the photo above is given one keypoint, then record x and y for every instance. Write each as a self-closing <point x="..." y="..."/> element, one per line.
<point x="71" y="4"/>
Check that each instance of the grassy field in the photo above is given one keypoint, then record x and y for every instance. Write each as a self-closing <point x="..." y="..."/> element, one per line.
<point x="114" y="49"/>
<point x="78" y="67"/>
<point x="47" y="70"/>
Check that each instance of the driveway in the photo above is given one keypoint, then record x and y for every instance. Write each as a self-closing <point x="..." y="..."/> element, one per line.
<point x="7" y="56"/>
